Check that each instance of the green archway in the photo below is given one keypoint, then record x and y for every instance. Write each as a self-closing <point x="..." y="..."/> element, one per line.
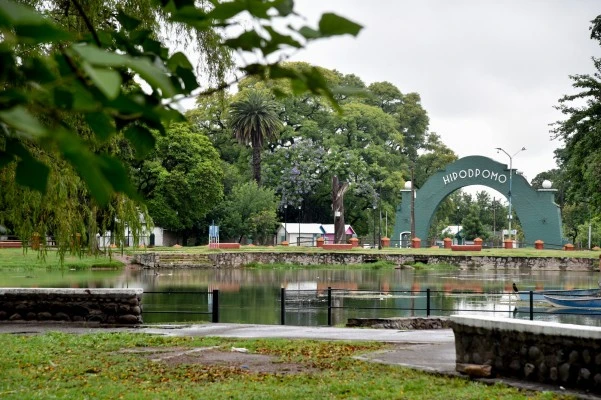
<point x="536" y="209"/>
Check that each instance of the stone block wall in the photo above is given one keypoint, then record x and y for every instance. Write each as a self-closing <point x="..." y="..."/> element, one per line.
<point x="107" y="306"/>
<point x="464" y="262"/>
<point x="552" y="353"/>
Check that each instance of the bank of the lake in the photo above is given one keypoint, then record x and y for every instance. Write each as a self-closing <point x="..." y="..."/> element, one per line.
<point x="494" y="260"/>
<point x="26" y="259"/>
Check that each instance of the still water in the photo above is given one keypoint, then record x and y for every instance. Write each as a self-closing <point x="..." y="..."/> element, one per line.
<point x="253" y="296"/>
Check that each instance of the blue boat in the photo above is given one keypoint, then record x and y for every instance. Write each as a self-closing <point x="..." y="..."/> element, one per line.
<point x="538" y="295"/>
<point x="574" y="301"/>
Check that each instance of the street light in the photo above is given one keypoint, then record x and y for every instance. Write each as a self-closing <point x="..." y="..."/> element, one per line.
<point x="299" y="222"/>
<point x="286" y="222"/>
<point x="374" y="215"/>
<point x="510" y="176"/>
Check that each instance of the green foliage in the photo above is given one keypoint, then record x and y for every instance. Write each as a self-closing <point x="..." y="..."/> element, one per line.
<point x="250" y="211"/>
<point x="84" y="83"/>
<point x="579" y="158"/>
<point x="181" y="179"/>
<point x="473" y="227"/>
<point x="254" y="120"/>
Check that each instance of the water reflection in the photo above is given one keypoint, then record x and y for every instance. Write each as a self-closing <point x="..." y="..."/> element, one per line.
<point x="253" y="296"/>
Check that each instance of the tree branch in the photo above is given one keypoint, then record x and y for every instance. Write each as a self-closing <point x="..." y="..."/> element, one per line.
<point x="87" y="21"/>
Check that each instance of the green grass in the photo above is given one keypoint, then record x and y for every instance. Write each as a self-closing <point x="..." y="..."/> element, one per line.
<point x="18" y="259"/>
<point x="434" y="267"/>
<point x="523" y="252"/>
<point x="62" y="366"/>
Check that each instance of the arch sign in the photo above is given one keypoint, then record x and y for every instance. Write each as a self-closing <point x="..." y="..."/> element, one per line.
<point x="539" y="216"/>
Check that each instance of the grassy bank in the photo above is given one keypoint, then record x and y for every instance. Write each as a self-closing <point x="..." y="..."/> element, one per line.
<point x="523" y="252"/>
<point x="111" y="366"/>
<point x="18" y="259"/>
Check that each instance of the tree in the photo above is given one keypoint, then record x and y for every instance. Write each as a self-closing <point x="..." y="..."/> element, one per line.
<point x="78" y="78"/>
<point x="181" y="180"/>
<point x="254" y="120"/>
<point x="473" y="227"/>
<point x="580" y="157"/>
<point x="250" y="211"/>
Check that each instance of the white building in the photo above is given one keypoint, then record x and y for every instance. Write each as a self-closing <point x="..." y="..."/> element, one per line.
<point x="292" y="232"/>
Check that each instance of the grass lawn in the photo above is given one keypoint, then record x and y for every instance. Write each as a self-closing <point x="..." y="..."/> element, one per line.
<point x="18" y="259"/>
<point x="497" y="252"/>
<point x="140" y="366"/>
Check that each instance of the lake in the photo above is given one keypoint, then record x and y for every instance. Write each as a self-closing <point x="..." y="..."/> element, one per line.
<point x="253" y="295"/>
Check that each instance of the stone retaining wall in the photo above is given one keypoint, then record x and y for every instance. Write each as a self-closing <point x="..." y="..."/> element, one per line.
<point x="559" y="354"/>
<point x="400" y="323"/>
<point x="108" y="306"/>
<point x="466" y="262"/>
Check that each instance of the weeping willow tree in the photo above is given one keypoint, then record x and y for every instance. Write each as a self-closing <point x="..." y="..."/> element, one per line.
<point x="66" y="211"/>
<point x="84" y="86"/>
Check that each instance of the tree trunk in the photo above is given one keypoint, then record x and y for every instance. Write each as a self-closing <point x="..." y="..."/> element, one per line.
<point x="257" y="164"/>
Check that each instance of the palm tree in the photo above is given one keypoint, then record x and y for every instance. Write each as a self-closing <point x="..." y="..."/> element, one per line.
<point x="254" y="120"/>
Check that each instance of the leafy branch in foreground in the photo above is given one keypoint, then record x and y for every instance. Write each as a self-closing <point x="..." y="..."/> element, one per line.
<point x="67" y="93"/>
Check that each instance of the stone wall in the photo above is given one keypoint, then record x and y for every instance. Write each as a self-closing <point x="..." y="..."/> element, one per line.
<point x="408" y="323"/>
<point x="108" y="306"/>
<point x="559" y="354"/>
<point x="466" y="262"/>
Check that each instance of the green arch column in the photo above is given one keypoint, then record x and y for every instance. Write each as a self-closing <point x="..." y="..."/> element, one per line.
<point x="536" y="209"/>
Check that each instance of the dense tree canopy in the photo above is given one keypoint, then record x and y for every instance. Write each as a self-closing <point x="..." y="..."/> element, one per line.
<point x="85" y="84"/>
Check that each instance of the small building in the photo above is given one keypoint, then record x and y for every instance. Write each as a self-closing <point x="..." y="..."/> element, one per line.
<point x="298" y="234"/>
<point x="306" y="234"/>
<point x="328" y="232"/>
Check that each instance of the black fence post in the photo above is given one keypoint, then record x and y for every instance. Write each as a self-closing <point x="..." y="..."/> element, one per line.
<point x="427" y="302"/>
<point x="215" y="311"/>
<point x="531" y="305"/>
<point x="283" y="306"/>
<point x="329" y="306"/>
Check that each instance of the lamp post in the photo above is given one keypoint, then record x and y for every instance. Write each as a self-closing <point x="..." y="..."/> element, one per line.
<point x="299" y="222"/>
<point x="510" y="216"/>
<point x="286" y="222"/>
<point x="494" y="221"/>
<point x="380" y="222"/>
<point x="374" y="215"/>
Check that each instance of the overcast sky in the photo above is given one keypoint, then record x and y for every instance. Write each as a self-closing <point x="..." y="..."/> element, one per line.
<point x="488" y="72"/>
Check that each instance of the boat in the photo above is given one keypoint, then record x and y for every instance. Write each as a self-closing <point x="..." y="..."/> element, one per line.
<point x="538" y="295"/>
<point x="574" y="301"/>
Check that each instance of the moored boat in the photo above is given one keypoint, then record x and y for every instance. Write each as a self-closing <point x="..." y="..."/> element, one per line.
<point x="574" y="301"/>
<point x="538" y="295"/>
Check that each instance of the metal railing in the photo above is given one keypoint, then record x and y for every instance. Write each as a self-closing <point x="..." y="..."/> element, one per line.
<point x="332" y="300"/>
<point x="213" y="296"/>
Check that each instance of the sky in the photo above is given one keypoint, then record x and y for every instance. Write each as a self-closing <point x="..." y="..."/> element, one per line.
<point x="489" y="73"/>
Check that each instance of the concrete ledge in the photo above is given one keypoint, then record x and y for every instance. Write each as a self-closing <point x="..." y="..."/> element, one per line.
<point x="70" y="291"/>
<point x="10" y="244"/>
<point x="224" y="246"/>
<point x="535" y="351"/>
<point x="526" y="326"/>
<point x="466" y="247"/>
<point x="340" y="246"/>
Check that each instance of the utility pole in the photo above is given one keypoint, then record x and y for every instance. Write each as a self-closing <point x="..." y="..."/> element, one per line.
<point x="412" y="201"/>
